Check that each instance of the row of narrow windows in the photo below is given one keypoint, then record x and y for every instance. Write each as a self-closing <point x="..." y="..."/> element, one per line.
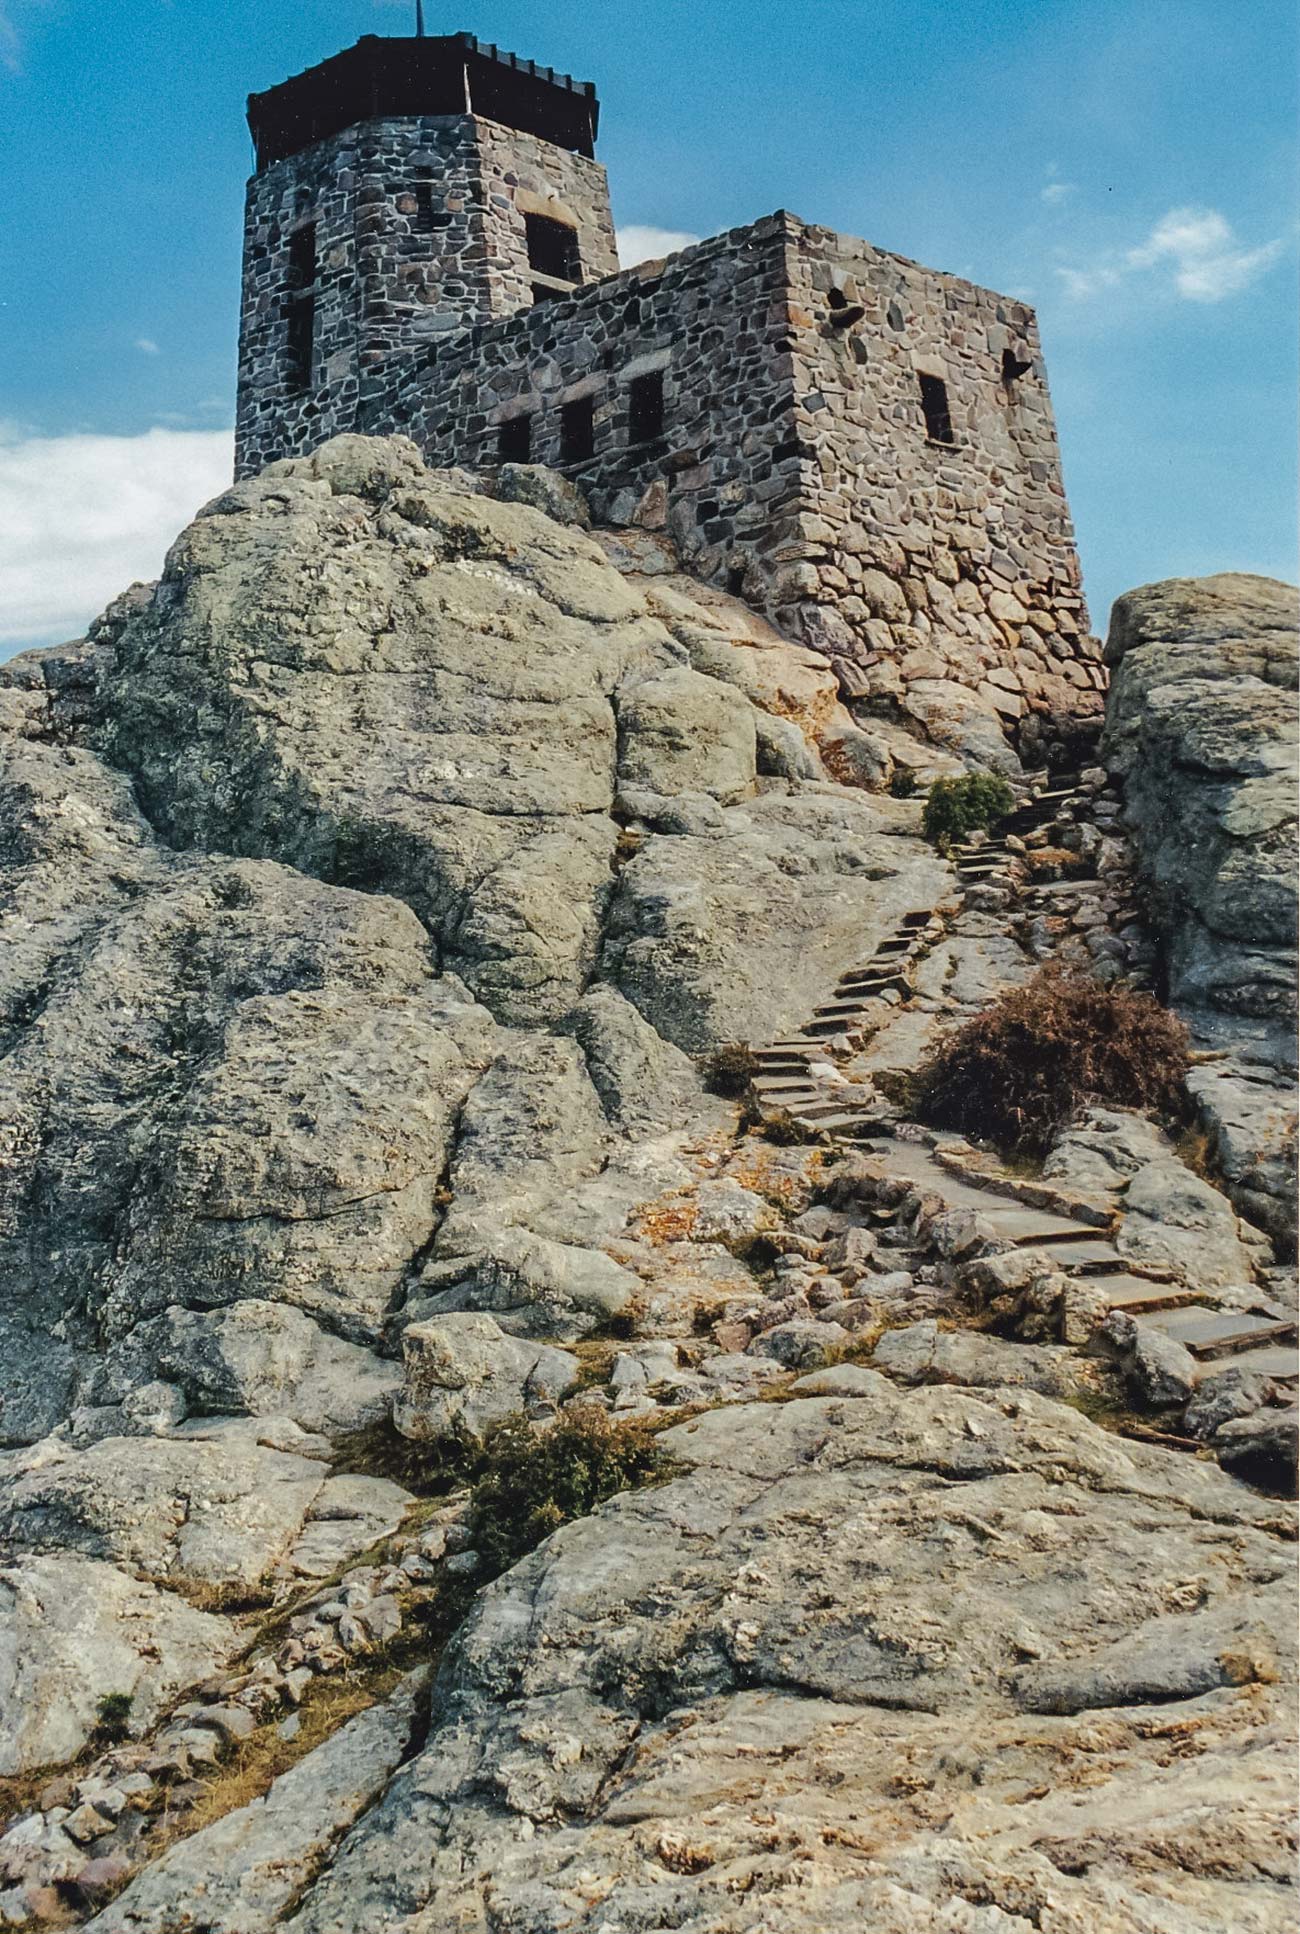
<point x="553" y="251"/>
<point x="645" y="422"/>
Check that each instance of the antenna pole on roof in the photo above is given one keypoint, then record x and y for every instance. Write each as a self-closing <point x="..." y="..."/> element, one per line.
<point x="419" y="19"/>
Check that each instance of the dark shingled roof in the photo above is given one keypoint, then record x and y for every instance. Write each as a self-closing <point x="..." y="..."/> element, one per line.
<point x="446" y="74"/>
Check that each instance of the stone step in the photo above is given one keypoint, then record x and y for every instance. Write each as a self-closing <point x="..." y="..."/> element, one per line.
<point x="1094" y="1257"/>
<point x="1278" y="1360"/>
<point x="827" y="1029"/>
<point x="1134" y="1295"/>
<point x="916" y="920"/>
<point x="784" y="1090"/>
<point x="1213" y="1333"/>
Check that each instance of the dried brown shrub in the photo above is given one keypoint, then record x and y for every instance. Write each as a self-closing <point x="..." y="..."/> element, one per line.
<point x="1018" y="1072"/>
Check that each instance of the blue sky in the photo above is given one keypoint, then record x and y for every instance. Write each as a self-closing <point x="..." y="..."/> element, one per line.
<point x="1126" y="165"/>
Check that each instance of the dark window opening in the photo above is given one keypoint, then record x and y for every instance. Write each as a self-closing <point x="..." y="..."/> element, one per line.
<point x="1013" y="367"/>
<point x="302" y="257"/>
<point x="578" y="430"/>
<point x="934" y="402"/>
<point x="542" y="294"/>
<point x="844" y="312"/>
<point x="736" y="580"/>
<point x="424" y="209"/>
<point x="553" y="248"/>
<point x="301" y="341"/>
<point x="645" y="407"/>
<point x="515" y="439"/>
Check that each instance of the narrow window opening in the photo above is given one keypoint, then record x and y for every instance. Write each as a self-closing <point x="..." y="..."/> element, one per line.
<point x="515" y="439"/>
<point x="424" y="209"/>
<point x="934" y="402"/>
<point x="301" y="307"/>
<point x="736" y="580"/>
<point x="646" y="407"/>
<point x="1013" y="367"/>
<point x="578" y="430"/>
<point x="553" y="248"/>
<point x="302" y="257"/>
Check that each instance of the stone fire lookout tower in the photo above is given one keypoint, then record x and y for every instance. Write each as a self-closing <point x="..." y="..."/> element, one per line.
<point x="862" y="447"/>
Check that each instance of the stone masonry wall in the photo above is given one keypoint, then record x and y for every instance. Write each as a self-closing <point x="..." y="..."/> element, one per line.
<point x="714" y="321"/>
<point x="420" y="225"/>
<point x="929" y="560"/>
<point x="795" y="464"/>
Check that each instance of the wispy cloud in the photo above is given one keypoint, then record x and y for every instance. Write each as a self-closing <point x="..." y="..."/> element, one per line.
<point x="11" y="45"/>
<point x="639" y="243"/>
<point x="84" y="516"/>
<point x="1200" y="246"/>
<point x="1194" y="250"/>
<point x="147" y="346"/>
<point x="1054" y="191"/>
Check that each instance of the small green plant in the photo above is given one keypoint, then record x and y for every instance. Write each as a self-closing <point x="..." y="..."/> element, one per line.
<point x="113" y="1717"/>
<point x="1018" y="1072"/>
<point x="532" y="1482"/>
<point x="957" y="807"/>
<point x="902" y="782"/>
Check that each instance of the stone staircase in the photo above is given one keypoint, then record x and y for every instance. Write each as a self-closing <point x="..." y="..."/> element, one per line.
<point x="796" y="1082"/>
<point x="796" y="1077"/>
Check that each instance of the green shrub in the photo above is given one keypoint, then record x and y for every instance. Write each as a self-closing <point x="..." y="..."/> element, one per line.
<point x="532" y="1482"/>
<point x="1018" y="1072"/>
<point x="113" y="1717"/>
<point x="902" y="782"/>
<point x="956" y="807"/>
<point x="729" y="1069"/>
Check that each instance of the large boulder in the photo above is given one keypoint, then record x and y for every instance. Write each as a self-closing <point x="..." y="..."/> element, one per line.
<point x="1201" y="727"/>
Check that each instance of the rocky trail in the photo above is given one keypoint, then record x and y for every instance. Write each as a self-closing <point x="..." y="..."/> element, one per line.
<point x="380" y="894"/>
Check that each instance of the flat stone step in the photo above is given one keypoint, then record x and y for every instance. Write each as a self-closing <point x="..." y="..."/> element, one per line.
<point x="1092" y="1258"/>
<point x="1212" y="1333"/>
<point x="828" y="1111"/>
<point x="786" y="1091"/>
<point x="1278" y="1360"/>
<point x="916" y="920"/>
<point x="1133" y="1294"/>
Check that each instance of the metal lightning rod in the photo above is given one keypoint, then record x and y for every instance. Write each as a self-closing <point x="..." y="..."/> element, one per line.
<point x="419" y="19"/>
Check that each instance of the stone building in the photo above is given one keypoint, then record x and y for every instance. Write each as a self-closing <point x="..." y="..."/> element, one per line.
<point x="861" y="447"/>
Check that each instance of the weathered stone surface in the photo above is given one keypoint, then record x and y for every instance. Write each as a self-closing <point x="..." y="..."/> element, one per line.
<point x="74" y="1629"/>
<point x="1201" y="725"/>
<point x="740" y="936"/>
<point x="841" y="1587"/>
<point x="923" y="1353"/>
<point x="260" y="1358"/>
<point x="1174" y="1217"/>
<point x="239" y="1875"/>
<point x="191" y="1512"/>
<point x="418" y="690"/>
<point x="463" y="1372"/>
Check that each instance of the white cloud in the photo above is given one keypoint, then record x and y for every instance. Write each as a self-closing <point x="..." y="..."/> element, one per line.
<point x="1199" y="243"/>
<point x="147" y="346"/>
<point x="1056" y="191"/>
<point x="84" y="516"/>
<point x="637" y="243"/>
<point x="1195" y="248"/>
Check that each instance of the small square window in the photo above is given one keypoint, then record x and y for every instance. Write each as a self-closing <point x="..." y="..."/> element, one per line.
<point x="934" y="404"/>
<point x="515" y="439"/>
<point x="578" y="430"/>
<point x="553" y="248"/>
<point x="645" y="407"/>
